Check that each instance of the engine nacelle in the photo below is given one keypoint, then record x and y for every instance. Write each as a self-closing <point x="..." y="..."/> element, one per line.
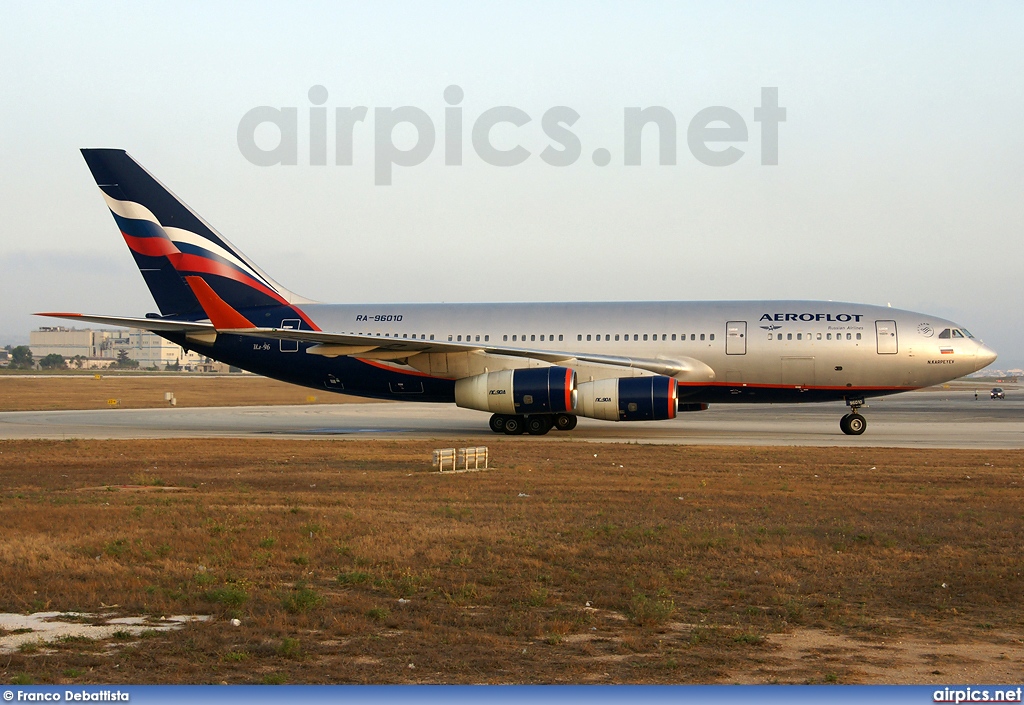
<point x="629" y="399"/>
<point x="548" y="390"/>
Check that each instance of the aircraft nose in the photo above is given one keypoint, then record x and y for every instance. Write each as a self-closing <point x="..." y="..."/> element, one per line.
<point x="984" y="357"/>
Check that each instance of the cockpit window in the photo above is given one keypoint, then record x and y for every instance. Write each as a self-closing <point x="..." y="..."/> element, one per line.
<point x="967" y="332"/>
<point x="957" y="334"/>
<point x="944" y="333"/>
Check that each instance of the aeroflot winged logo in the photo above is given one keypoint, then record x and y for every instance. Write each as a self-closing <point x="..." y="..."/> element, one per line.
<point x="835" y="317"/>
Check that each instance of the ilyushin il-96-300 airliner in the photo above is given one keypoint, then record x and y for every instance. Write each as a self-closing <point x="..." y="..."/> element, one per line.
<point x="533" y="366"/>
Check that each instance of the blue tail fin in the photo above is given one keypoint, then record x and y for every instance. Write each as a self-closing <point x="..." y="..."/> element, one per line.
<point x="169" y="242"/>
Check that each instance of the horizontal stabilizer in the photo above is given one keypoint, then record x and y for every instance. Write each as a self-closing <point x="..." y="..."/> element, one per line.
<point x="156" y="325"/>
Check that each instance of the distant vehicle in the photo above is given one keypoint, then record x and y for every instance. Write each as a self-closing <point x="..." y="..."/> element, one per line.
<point x="998" y="393"/>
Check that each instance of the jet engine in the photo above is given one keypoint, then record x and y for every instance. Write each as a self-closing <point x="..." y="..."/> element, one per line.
<point x="548" y="390"/>
<point x="629" y="399"/>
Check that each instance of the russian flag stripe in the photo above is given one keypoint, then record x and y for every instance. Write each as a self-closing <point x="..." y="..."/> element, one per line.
<point x="150" y="246"/>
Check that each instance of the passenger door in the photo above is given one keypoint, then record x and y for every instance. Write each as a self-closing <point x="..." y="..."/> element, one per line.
<point x="736" y="338"/>
<point x="885" y="335"/>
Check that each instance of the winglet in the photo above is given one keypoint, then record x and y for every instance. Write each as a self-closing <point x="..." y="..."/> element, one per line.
<point x="221" y="315"/>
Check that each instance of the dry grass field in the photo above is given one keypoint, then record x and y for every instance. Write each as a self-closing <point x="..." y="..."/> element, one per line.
<point x="141" y="391"/>
<point x="350" y="562"/>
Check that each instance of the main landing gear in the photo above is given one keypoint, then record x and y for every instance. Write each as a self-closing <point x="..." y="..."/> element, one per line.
<point x="535" y="425"/>
<point x="853" y="424"/>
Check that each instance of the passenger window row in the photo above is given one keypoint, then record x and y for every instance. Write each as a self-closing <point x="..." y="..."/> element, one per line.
<point x="644" y="336"/>
<point x="550" y="337"/>
<point x="533" y="338"/>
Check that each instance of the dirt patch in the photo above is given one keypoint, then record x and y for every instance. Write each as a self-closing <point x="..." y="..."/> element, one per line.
<point x="815" y="655"/>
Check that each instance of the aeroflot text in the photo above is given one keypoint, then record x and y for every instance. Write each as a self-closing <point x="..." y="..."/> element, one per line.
<point x="841" y="317"/>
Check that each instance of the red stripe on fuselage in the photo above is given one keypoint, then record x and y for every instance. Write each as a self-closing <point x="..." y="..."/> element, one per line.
<point x="304" y="317"/>
<point x="748" y="385"/>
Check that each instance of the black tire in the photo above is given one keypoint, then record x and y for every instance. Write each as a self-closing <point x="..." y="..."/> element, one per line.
<point x="497" y="423"/>
<point x="538" y="425"/>
<point x="514" y="425"/>
<point x="565" y="422"/>
<point x="857" y="424"/>
<point x="843" y="424"/>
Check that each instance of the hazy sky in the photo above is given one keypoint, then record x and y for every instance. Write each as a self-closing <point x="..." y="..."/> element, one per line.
<point x="901" y="161"/>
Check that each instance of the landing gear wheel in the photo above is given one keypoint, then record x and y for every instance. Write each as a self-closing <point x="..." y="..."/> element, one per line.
<point x="514" y="425"/>
<point x="538" y="425"/>
<point x="853" y="424"/>
<point x="565" y="422"/>
<point x="497" y="423"/>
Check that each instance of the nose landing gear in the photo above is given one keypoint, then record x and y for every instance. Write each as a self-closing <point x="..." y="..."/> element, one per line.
<point x="853" y="424"/>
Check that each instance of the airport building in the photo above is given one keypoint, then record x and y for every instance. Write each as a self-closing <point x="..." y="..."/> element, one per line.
<point x="150" y="350"/>
<point x="98" y="348"/>
<point x="66" y="342"/>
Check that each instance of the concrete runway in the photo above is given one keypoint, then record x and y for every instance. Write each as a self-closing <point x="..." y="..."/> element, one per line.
<point x="946" y="419"/>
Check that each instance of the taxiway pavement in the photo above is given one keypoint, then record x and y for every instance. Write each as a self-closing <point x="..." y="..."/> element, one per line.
<point x="932" y="419"/>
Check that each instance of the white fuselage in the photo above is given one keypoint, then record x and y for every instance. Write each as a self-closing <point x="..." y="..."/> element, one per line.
<point x="747" y="344"/>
